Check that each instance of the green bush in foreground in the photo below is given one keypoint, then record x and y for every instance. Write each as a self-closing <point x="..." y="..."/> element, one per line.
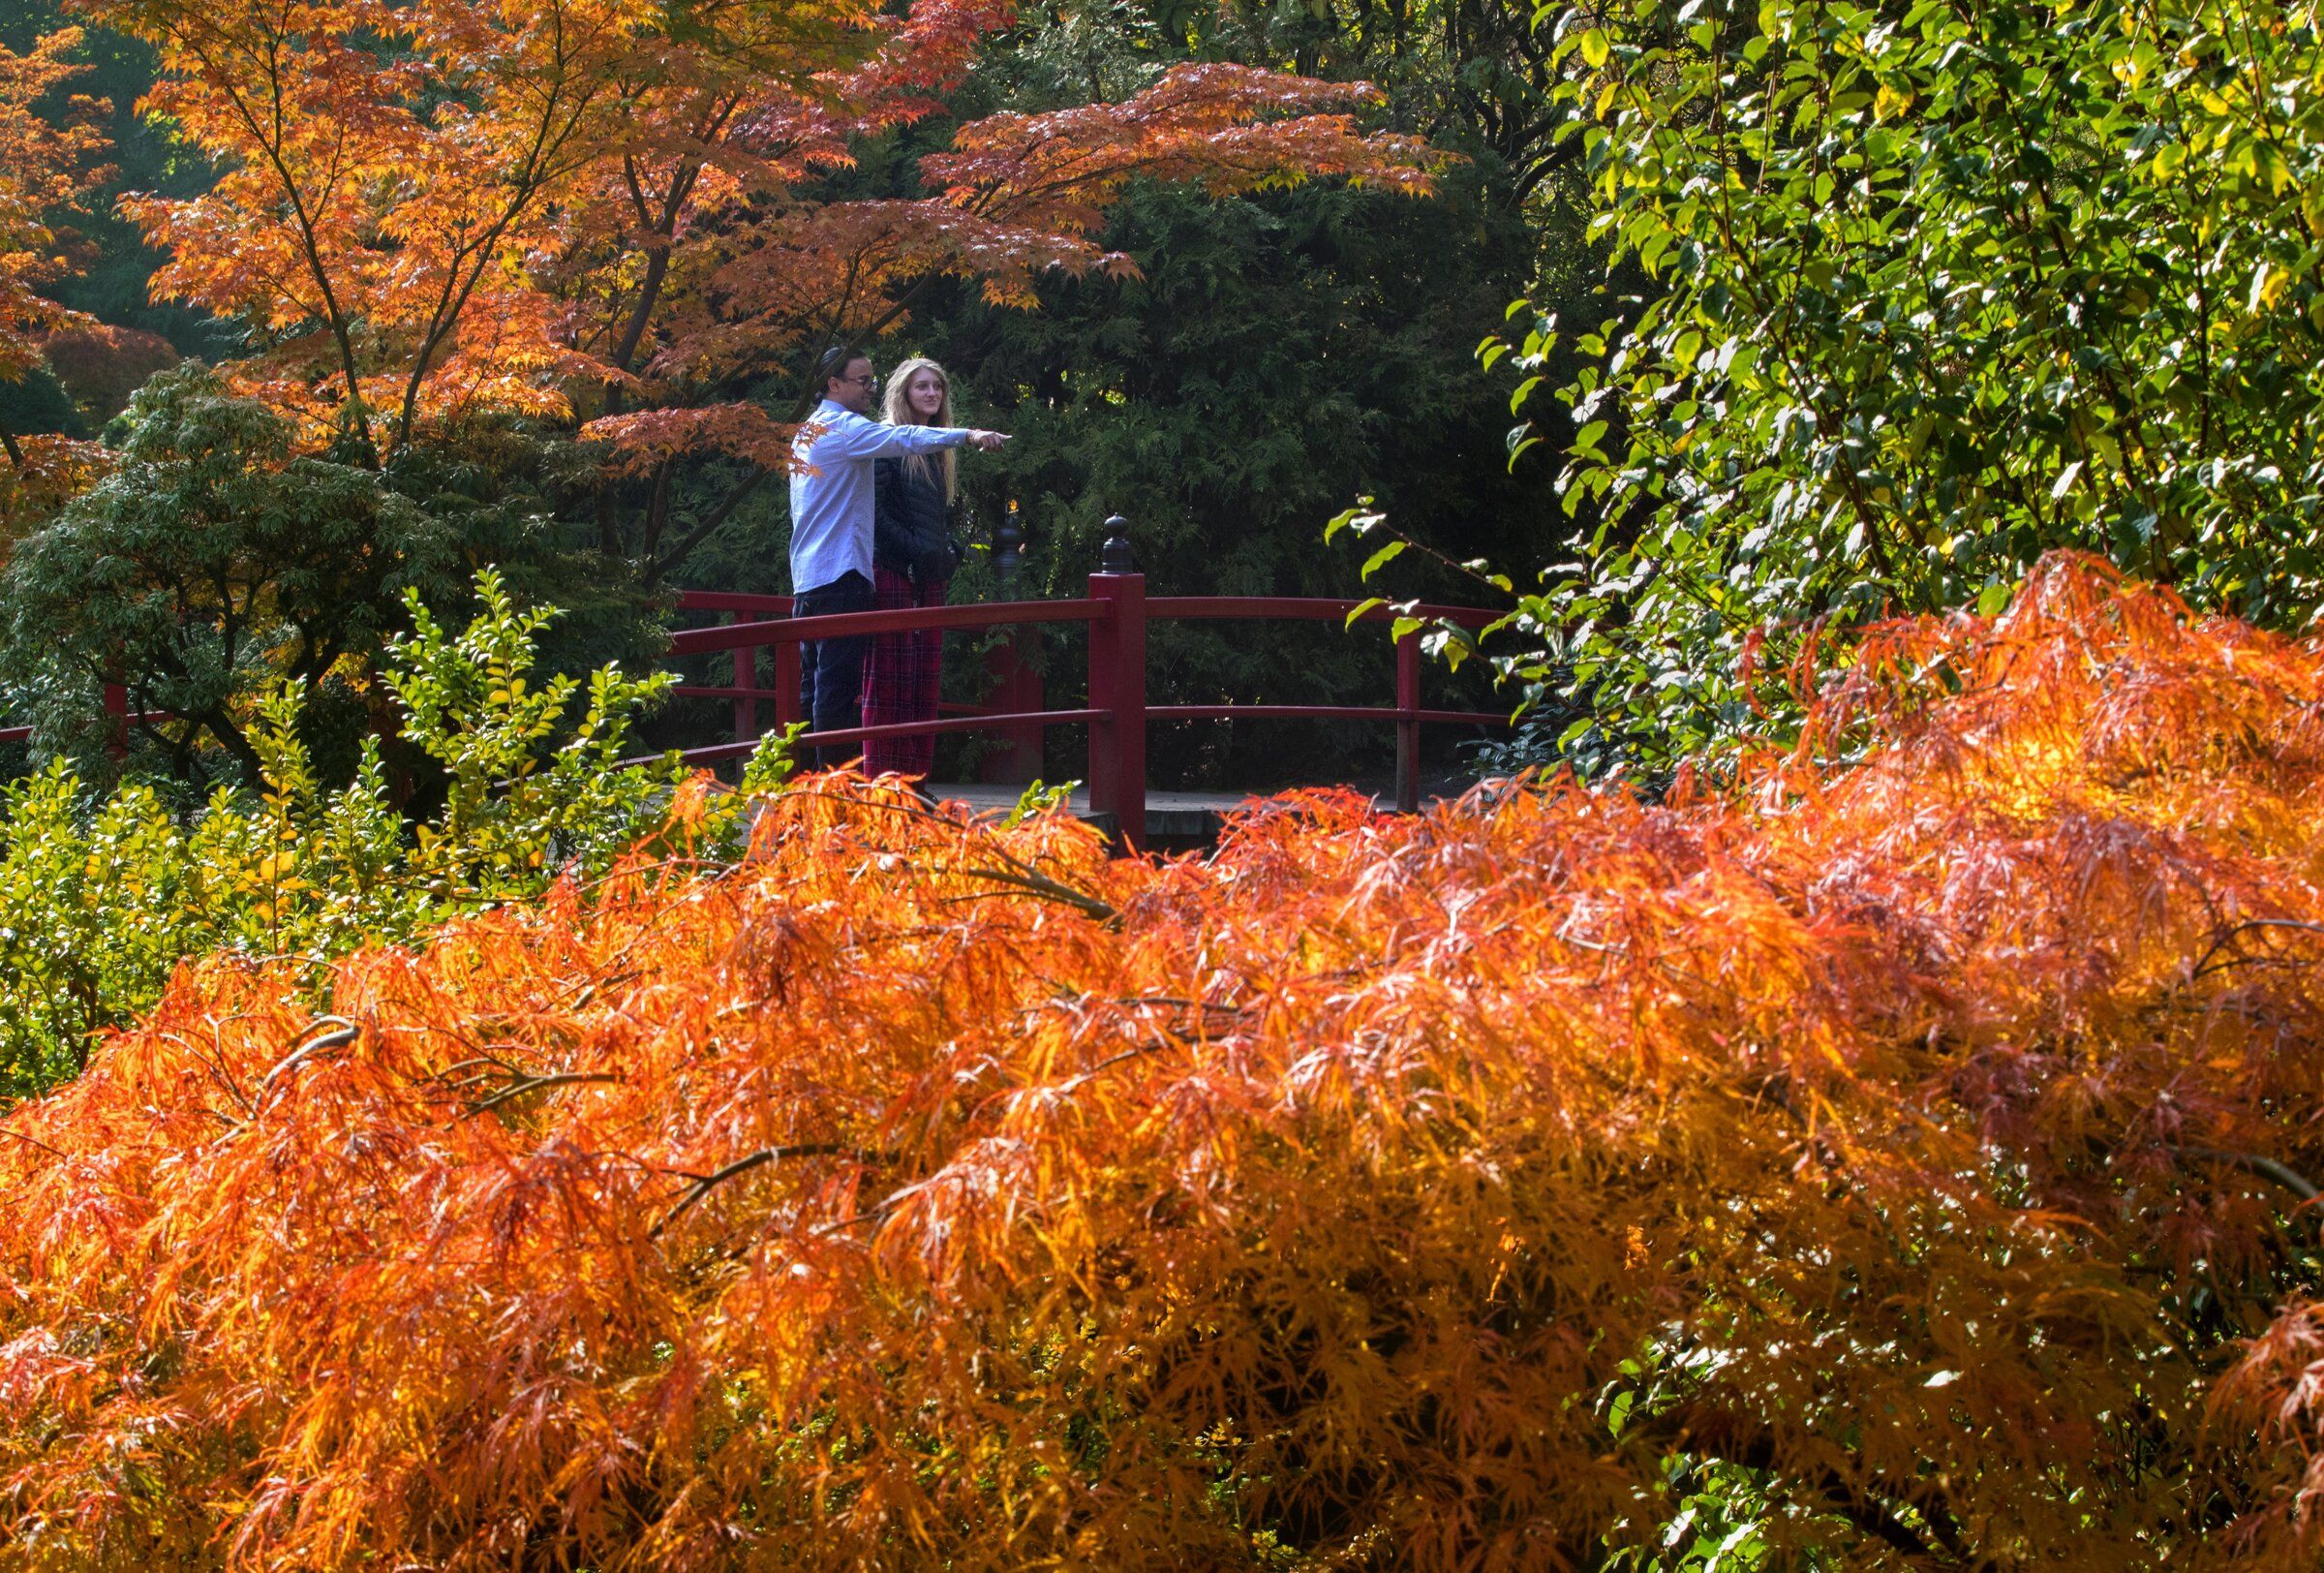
<point x="104" y="895"/>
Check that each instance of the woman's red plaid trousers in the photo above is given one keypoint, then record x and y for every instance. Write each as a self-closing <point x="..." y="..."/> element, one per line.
<point x="903" y="673"/>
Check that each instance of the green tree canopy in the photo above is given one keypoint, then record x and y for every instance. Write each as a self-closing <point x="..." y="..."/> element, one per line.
<point x="1935" y="285"/>
<point x="207" y="566"/>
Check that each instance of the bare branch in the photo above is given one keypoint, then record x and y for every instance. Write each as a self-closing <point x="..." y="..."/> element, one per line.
<point x="2248" y="925"/>
<point x="764" y="1155"/>
<point x="346" y="1032"/>
<point x="534" y="1084"/>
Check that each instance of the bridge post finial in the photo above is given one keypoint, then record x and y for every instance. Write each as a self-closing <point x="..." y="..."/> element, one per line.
<point x="1115" y="556"/>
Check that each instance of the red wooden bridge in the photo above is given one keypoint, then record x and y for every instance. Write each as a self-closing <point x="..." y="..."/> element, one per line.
<point x="1117" y="612"/>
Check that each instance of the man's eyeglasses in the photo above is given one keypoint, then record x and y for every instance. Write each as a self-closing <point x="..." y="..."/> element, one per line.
<point x="869" y="379"/>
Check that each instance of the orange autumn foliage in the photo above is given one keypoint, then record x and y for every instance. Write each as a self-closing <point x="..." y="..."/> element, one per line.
<point x="620" y="214"/>
<point x="50" y="143"/>
<point x="44" y="471"/>
<point x="1930" y="1136"/>
<point x="49" y="158"/>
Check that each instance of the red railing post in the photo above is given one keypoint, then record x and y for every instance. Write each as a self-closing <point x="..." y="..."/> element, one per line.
<point x="1117" y="687"/>
<point x="1016" y="683"/>
<point x="1016" y="689"/>
<point x="787" y="682"/>
<point x="1408" y="724"/>
<point x="116" y="713"/>
<point x="745" y="676"/>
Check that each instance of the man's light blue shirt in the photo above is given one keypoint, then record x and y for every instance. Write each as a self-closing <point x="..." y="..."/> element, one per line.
<point x="831" y="509"/>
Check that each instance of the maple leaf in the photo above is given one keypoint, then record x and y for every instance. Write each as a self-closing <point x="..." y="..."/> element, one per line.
<point x="1228" y="128"/>
<point x="646" y="439"/>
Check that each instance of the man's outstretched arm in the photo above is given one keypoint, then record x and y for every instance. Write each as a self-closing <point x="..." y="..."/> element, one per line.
<point x="855" y="436"/>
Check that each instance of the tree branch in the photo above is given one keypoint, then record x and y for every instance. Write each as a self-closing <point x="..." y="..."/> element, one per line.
<point x="2228" y="934"/>
<point x="2267" y="1168"/>
<point x="347" y="1032"/>
<point x="534" y="1084"/>
<point x="701" y="532"/>
<point x="31" y="1141"/>
<point x="708" y="1183"/>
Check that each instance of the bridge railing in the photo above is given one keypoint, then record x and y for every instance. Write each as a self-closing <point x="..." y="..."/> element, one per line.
<point x="117" y="717"/>
<point x="1117" y="612"/>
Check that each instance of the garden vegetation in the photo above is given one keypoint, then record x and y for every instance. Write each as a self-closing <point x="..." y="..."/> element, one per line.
<point x="1905" y="1161"/>
<point x="1904" y="296"/>
<point x="1857" y="1105"/>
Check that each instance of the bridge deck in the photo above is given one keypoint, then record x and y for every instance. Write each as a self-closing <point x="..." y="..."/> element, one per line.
<point x="1179" y="820"/>
<point x="1179" y="816"/>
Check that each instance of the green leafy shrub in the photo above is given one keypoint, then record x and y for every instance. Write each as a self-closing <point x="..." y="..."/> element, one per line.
<point x="1935" y="287"/>
<point x="104" y="895"/>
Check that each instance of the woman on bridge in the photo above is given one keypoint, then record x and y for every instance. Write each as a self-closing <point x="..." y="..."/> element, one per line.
<point x="915" y="554"/>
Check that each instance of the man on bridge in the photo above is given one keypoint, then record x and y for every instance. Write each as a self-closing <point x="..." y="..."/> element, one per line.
<point x="831" y="530"/>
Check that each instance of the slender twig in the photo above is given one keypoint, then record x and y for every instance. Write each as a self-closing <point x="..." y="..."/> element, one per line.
<point x="1019" y="873"/>
<point x="764" y="1155"/>
<point x="1136" y="1052"/>
<point x="1040" y="885"/>
<point x="534" y="1084"/>
<point x="347" y="1032"/>
<point x="2221" y="944"/>
<point x="871" y="1215"/>
<point x="34" y="1141"/>
<point x="215" y="1066"/>
<point x="492" y="1060"/>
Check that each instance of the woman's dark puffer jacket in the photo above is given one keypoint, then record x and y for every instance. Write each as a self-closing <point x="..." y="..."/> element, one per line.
<point x="910" y="524"/>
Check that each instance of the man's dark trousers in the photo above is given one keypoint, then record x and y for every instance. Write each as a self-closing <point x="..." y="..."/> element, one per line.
<point x="831" y="671"/>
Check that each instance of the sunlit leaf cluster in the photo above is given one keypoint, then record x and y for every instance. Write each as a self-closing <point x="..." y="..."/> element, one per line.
<point x="1896" y="1155"/>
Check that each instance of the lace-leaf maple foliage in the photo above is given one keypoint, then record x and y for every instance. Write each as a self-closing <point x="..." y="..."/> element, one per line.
<point x="1922" y="1138"/>
<point x="51" y="145"/>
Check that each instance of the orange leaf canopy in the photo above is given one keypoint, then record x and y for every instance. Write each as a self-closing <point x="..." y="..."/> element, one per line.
<point x="1924" y="1136"/>
<point x="47" y="160"/>
<point x="428" y="209"/>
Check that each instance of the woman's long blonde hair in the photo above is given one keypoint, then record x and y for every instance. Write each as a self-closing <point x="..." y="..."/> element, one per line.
<point x="896" y="407"/>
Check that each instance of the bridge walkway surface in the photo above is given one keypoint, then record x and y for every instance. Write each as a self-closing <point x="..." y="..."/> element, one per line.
<point x="1175" y="822"/>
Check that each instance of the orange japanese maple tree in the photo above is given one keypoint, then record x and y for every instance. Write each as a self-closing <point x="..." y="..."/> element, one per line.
<point x="618" y="213"/>
<point x="1923" y="1139"/>
<point x="48" y="156"/>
